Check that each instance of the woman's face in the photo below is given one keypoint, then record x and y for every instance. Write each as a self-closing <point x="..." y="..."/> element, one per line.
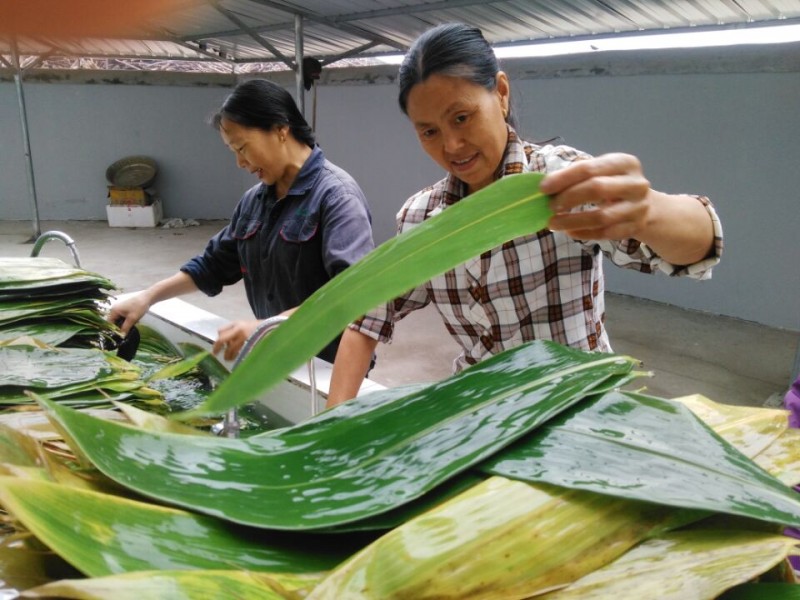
<point x="260" y="152"/>
<point x="461" y="125"/>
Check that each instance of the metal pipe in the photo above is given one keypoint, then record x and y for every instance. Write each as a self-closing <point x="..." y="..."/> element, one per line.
<point x="57" y="235"/>
<point x="23" y="117"/>
<point x="298" y="63"/>
<point x="230" y="425"/>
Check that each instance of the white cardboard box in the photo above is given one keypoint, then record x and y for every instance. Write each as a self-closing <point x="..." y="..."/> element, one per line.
<point x="135" y="216"/>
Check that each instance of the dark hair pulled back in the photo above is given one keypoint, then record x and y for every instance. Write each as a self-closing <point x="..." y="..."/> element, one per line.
<point x="451" y="50"/>
<point x="262" y="104"/>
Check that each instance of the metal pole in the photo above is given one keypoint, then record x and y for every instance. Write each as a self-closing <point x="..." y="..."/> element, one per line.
<point x="298" y="62"/>
<point x="23" y="117"/>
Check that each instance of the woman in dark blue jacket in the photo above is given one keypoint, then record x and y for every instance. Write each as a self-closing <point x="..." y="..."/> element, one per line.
<point x="303" y="223"/>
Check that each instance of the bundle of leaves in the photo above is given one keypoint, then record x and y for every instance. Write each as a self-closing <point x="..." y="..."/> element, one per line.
<point x="79" y="377"/>
<point x="46" y="299"/>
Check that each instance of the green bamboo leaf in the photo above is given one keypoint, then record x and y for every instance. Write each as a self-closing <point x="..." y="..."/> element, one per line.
<point x="24" y="565"/>
<point x="690" y="565"/>
<point x="500" y="539"/>
<point x="509" y="208"/>
<point x="750" y="429"/>
<point x="70" y="309"/>
<point x="52" y="334"/>
<point x="443" y="492"/>
<point x="101" y="534"/>
<point x="152" y="341"/>
<point x="782" y="458"/>
<point x="762" y="434"/>
<point x="35" y="423"/>
<point x="335" y="470"/>
<point x="149" y="421"/>
<point x="180" y="585"/>
<point x="179" y="367"/>
<point x="763" y="591"/>
<point x="648" y="449"/>
<point x="209" y="365"/>
<point x="16" y="448"/>
<point x="17" y="271"/>
<point x="22" y="456"/>
<point x="29" y="366"/>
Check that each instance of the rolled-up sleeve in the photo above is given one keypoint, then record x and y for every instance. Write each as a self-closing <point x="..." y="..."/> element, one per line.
<point x="631" y="254"/>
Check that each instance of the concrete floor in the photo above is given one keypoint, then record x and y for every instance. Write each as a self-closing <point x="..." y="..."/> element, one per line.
<point x="728" y="360"/>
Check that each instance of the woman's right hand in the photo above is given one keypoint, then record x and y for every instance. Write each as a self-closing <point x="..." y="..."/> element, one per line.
<point x="129" y="311"/>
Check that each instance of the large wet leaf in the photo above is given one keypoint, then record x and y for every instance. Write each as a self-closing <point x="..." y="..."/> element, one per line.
<point x="101" y="534"/>
<point x="648" y="449"/>
<point x="509" y="208"/>
<point x="500" y="539"/>
<point x="51" y="334"/>
<point x="688" y="565"/>
<point x="339" y="469"/>
<point x="750" y="429"/>
<point x="32" y="367"/>
<point x="180" y="585"/>
<point x="782" y="457"/>
<point x="762" y="434"/>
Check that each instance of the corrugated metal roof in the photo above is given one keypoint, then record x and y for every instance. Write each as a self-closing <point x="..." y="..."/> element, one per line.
<point x="246" y="31"/>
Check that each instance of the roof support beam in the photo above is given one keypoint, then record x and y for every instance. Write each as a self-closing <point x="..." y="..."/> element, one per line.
<point x="331" y="22"/>
<point x="349" y="53"/>
<point x="37" y="60"/>
<point x="410" y="10"/>
<point x="252" y="33"/>
<point x="202" y="51"/>
<point x="339" y="20"/>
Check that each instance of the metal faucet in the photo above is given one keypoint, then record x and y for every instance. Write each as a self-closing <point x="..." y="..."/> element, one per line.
<point x="57" y="235"/>
<point x="231" y="425"/>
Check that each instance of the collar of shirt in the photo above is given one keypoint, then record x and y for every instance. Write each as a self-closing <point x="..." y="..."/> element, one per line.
<point x="307" y="176"/>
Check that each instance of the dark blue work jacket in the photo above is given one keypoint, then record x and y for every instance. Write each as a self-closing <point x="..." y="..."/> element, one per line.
<point x="285" y="249"/>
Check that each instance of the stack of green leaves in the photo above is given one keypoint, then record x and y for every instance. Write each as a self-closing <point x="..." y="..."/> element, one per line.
<point x="78" y="377"/>
<point x="46" y="299"/>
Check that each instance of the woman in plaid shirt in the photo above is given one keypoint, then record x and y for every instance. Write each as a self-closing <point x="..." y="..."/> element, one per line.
<point x="546" y="285"/>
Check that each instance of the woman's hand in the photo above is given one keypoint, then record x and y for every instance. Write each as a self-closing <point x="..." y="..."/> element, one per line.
<point x="614" y="185"/>
<point x="130" y="311"/>
<point x="232" y="337"/>
<point x="620" y="204"/>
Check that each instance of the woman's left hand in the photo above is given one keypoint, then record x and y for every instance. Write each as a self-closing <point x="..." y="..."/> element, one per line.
<point x="613" y="184"/>
<point x="232" y="337"/>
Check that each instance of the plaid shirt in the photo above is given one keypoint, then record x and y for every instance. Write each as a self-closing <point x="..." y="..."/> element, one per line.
<point x="540" y="286"/>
